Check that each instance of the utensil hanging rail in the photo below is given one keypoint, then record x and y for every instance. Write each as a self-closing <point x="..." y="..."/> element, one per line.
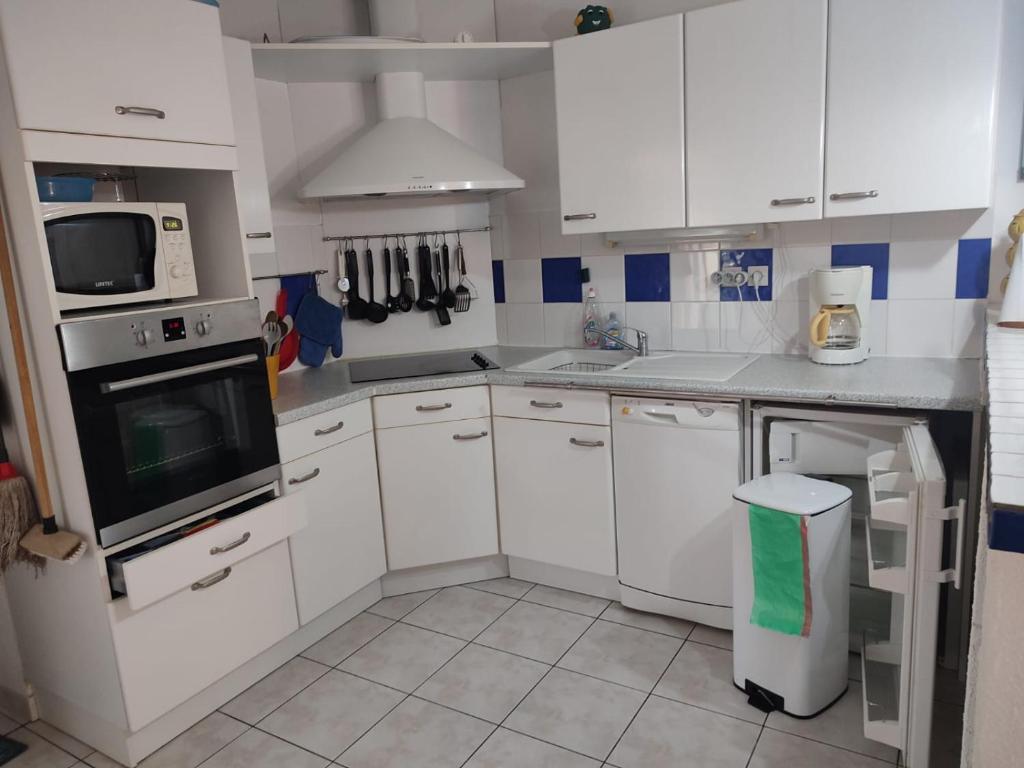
<point x="314" y="272"/>
<point x="428" y="233"/>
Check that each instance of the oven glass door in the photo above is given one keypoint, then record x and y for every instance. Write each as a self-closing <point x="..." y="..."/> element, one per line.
<point x="165" y="438"/>
<point x="101" y="254"/>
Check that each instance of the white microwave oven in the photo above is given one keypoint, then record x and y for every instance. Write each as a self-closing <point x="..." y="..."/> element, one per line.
<point x="106" y="254"/>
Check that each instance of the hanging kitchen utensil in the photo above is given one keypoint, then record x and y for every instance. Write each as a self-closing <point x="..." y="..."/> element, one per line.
<point x="440" y="309"/>
<point x="357" y="306"/>
<point x="285" y="326"/>
<point x="390" y="301"/>
<point x="407" y="295"/>
<point x="375" y="312"/>
<point x="447" y="295"/>
<point x="465" y="284"/>
<point x="427" y="290"/>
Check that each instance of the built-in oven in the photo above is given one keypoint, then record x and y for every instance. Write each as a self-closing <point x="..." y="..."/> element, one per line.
<point x="173" y="413"/>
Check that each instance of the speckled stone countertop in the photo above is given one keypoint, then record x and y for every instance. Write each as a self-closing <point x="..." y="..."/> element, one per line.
<point x="894" y="382"/>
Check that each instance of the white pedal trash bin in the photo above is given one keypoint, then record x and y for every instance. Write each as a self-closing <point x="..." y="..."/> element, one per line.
<point x="791" y="592"/>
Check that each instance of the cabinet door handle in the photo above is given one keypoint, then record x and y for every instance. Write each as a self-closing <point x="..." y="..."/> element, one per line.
<point x="233" y="545"/>
<point x="792" y="201"/>
<point x="304" y="478"/>
<point x="853" y="195"/>
<point x="328" y="430"/>
<point x="586" y="443"/>
<point x="159" y="114"/>
<point x="543" y="404"/>
<point x="471" y="436"/>
<point x="579" y="216"/>
<point x="438" y="407"/>
<point x="209" y="581"/>
<point x="259" y="235"/>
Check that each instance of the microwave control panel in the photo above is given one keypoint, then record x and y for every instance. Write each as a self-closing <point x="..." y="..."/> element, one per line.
<point x="177" y="248"/>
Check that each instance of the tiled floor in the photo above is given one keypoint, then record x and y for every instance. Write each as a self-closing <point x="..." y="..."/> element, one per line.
<point x="500" y="674"/>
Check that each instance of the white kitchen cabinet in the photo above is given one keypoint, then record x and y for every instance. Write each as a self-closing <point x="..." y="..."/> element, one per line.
<point x="555" y="496"/>
<point x="253" y="188"/>
<point x="153" y="70"/>
<point x="619" y="104"/>
<point x="911" y="96"/>
<point x="755" y="111"/>
<point x="342" y="548"/>
<point x="437" y="491"/>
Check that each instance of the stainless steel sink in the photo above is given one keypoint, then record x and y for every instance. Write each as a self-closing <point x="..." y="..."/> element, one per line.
<point x="701" y="366"/>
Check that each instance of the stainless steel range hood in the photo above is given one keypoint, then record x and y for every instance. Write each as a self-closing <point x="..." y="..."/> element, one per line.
<point x="407" y="154"/>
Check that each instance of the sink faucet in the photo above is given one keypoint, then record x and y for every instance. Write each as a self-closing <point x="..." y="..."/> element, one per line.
<point x="641" y="339"/>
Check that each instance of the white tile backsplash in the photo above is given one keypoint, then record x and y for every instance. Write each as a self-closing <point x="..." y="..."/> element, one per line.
<point x="607" y="277"/>
<point x="878" y="327"/>
<point x="553" y="244"/>
<point x="922" y="269"/>
<point x="790" y="268"/>
<point x="968" y="327"/>
<point x="295" y="248"/>
<point x="791" y="327"/>
<point x="522" y="241"/>
<point x="920" y="328"/>
<point x="501" y="322"/>
<point x="525" y="324"/>
<point x="941" y="225"/>
<point x="862" y="229"/>
<point x="523" y="281"/>
<point x="563" y="325"/>
<point x="690" y="275"/>
<point x="746" y="326"/>
<point x="804" y="233"/>
<point x="696" y="326"/>
<point x="654" y="317"/>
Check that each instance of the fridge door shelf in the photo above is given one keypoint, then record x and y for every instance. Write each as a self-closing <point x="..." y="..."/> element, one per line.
<point x="880" y="690"/>
<point x="887" y="556"/>
<point x="892" y="494"/>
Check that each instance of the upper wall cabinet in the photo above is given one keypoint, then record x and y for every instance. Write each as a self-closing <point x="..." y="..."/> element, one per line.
<point x="911" y="96"/>
<point x="152" y="70"/>
<point x="755" y="111"/>
<point x="619" y="101"/>
<point x="253" y="189"/>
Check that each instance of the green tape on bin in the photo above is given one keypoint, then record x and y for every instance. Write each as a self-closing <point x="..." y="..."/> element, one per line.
<point x="782" y="586"/>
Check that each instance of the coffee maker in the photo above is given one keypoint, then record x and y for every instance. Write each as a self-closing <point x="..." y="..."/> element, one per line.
<point x="839" y="328"/>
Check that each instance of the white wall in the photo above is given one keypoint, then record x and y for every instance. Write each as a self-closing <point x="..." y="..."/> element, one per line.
<point x="12" y="677"/>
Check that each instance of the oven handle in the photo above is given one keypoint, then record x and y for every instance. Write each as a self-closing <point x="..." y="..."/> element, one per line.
<point x="179" y="373"/>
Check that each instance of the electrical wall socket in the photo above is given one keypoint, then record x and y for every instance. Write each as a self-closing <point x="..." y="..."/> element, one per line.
<point x="757" y="276"/>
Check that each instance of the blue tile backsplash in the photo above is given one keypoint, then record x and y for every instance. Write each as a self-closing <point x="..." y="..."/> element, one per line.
<point x="498" y="273"/>
<point x="973" y="258"/>
<point x="874" y="255"/>
<point x="561" y="280"/>
<point x="751" y="257"/>
<point x="648" y="277"/>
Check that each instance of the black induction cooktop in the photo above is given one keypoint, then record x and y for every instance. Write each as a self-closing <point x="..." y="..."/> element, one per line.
<point x="410" y="366"/>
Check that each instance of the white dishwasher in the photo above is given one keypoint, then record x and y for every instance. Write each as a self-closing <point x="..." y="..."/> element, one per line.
<point x="677" y="463"/>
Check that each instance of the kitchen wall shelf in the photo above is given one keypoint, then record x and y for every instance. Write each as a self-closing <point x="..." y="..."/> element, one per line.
<point x="361" y="62"/>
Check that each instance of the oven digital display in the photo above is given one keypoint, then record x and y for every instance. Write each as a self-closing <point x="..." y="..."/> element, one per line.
<point x="172" y="224"/>
<point x="174" y="328"/>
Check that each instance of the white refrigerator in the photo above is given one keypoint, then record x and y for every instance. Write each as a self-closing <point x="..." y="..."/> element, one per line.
<point x="900" y="520"/>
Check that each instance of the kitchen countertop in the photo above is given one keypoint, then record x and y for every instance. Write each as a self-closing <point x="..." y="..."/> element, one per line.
<point x="894" y="382"/>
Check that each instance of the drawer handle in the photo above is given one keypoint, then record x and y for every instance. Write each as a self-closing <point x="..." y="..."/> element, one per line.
<point x="233" y="545"/>
<point x="792" y="201"/>
<point x="159" y="114"/>
<point x="259" y="235"/>
<point x="472" y="436"/>
<point x="328" y="430"/>
<point x="439" y="407"/>
<point x="587" y="443"/>
<point x="304" y="478"/>
<point x="853" y="195"/>
<point x="209" y="581"/>
<point x="542" y="404"/>
<point x="579" y="216"/>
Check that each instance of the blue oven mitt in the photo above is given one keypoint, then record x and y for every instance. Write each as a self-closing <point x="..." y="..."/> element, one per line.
<point x="318" y="323"/>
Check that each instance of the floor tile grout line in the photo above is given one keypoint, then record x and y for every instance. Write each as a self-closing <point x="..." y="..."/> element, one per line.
<point x="210" y="757"/>
<point x="644" y="702"/>
<point x="757" y="741"/>
<point x="645" y="629"/>
<point x="827" y="744"/>
<point x="327" y="670"/>
<point x="663" y="697"/>
<point x="51" y="742"/>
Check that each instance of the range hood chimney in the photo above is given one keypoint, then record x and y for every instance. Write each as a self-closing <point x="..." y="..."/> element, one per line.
<point x="405" y="153"/>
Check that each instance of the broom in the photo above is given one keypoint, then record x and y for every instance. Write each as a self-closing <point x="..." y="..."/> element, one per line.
<point x="43" y="539"/>
<point x="17" y="514"/>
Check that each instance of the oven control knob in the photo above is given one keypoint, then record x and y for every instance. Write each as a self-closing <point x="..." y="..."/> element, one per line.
<point x="204" y="327"/>
<point x="177" y="272"/>
<point x="143" y="338"/>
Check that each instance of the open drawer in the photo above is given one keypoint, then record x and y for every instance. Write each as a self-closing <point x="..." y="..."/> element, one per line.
<point x="147" y="575"/>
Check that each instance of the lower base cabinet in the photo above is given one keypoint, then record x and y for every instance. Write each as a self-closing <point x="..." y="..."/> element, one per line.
<point x="437" y="490"/>
<point x="342" y="548"/>
<point x="555" y="493"/>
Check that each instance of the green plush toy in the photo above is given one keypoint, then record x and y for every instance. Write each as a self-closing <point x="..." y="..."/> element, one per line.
<point x="593" y="18"/>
